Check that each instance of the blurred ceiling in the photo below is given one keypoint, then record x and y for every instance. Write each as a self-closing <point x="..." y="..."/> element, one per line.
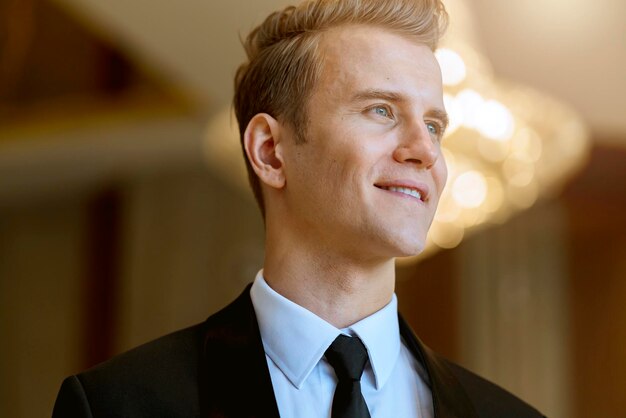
<point x="572" y="49"/>
<point x="52" y="67"/>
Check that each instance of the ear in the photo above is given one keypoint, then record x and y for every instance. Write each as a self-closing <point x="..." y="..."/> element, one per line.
<point x="262" y="144"/>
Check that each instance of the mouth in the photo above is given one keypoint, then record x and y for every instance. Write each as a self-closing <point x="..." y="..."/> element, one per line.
<point x="419" y="193"/>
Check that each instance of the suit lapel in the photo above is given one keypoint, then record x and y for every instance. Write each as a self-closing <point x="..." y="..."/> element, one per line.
<point x="234" y="378"/>
<point x="449" y="397"/>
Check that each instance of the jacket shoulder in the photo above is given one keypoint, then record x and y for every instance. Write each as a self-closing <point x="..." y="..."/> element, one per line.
<point x="489" y="399"/>
<point x="167" y="377"/>
<point x="159" y="378"/>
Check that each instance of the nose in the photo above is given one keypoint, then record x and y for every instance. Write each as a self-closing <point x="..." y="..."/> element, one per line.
<point x="417" y="145"/>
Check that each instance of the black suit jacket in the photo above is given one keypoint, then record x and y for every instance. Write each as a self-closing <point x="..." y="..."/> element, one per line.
<point x="218" y="369"/>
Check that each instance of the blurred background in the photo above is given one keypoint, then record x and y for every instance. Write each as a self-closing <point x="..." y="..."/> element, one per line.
<point x="124" y="214"/>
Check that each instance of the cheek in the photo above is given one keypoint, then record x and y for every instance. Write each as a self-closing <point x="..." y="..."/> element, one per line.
<point x="361" y="167"/>
<point x="342" y="159"/>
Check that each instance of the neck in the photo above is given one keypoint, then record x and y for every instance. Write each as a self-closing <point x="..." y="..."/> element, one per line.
<point x="336" y="287"/>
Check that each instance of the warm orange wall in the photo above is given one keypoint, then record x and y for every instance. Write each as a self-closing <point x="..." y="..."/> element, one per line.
<point x="428" y="299"/>
<point x="597" y="269"/>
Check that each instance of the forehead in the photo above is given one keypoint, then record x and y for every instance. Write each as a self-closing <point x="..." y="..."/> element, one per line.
<point x="356" y="57"/>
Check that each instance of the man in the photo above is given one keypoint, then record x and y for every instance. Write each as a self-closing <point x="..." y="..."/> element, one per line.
<point x="341" y="114"/>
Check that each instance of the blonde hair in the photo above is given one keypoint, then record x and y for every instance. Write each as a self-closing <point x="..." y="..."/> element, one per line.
<point x="284" y="62"/>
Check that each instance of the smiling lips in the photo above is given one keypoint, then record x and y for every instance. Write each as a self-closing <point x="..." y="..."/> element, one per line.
<point x="409" y="191"/>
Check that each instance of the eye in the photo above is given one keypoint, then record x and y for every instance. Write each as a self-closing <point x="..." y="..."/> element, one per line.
<point x="383" y="111"/>
<point x="434" y="128"/>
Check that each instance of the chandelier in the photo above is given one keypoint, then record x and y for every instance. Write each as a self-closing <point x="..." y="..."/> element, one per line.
<point x="507" y="145"/>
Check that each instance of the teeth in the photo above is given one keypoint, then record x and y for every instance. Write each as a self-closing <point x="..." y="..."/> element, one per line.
<point x="406" y="190"/>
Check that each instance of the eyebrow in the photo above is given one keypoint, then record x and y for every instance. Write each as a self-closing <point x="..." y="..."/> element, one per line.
<point x="391" y="96"/>
<point x="377" y="94"/>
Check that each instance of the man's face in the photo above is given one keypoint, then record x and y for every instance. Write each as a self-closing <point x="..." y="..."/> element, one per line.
<point x="369" y="177"/>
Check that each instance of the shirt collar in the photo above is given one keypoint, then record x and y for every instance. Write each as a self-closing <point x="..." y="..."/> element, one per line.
<point x="380" y="332"/>
<point x="296" y="339"/>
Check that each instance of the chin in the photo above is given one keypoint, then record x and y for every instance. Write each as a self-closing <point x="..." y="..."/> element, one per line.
<point x="412" y="251"/>
<point x="409" y="246"/>
<point x="399" y="241"/>
<point x="411" y="242"/>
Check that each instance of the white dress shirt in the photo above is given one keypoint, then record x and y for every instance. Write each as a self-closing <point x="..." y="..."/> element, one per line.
<point x="394" y="383"/>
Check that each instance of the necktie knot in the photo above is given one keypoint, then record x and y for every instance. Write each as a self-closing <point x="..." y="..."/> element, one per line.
<point x="348" y="357"/>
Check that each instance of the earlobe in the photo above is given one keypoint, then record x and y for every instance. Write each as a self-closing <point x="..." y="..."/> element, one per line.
<point x="262" y="146"/>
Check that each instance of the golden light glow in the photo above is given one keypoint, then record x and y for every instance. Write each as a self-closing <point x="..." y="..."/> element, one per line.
<point x="507" y="146"/>
<point x="470" y="189"/>
<point x="455" y="114"/>
<point x="495" y="121"/>
<point x="446" y="235"/>
<point x="495" y="195"/>
<point x="452" y="66"/>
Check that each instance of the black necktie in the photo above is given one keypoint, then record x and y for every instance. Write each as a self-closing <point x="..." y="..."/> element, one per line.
<point x="348" y="356"/>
